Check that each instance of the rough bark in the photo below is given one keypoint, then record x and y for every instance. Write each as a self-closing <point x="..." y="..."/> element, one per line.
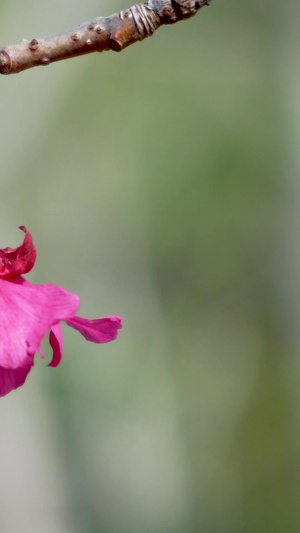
<point x="104" y="33"/>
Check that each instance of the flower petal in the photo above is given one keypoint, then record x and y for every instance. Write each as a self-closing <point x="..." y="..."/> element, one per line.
<point x="56" y="343"/>
<point x="12" y="379"/>
<point x="17" y="261"/>
<point x="27" y="313"/>
<point x="99" y="330"/>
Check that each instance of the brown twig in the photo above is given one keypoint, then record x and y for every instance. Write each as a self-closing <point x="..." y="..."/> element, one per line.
<point x="105" y="33"/>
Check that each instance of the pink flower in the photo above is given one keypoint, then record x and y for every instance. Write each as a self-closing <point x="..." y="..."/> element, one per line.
<point x="28" y="312"/>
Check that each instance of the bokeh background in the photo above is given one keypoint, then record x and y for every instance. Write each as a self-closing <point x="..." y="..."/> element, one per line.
<point x="160" y="184"/>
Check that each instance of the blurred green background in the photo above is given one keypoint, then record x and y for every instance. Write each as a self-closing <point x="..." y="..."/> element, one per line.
<point x="160" y="184"/>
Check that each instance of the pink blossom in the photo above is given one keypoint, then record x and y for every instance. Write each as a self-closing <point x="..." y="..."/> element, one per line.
<point x="28" y="312"/>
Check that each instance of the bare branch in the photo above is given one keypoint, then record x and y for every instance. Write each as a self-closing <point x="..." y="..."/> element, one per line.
<point x="105" y="33"/>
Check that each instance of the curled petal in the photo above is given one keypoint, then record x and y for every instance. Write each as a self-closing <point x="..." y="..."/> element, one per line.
<point x="27" y="313"/>
<point x="15" y="262"/>
<point x="56" y="343"/>
<point x="99" y="330"/>
<point x="11" y="379"/>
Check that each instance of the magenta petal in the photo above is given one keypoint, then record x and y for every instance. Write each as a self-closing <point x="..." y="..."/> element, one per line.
<point x="56" y="343"/>
<point x="12" y="379"/>
<point x="17" y="261"/>
<point x="99" y="330"/>
<point x="27" y="313"/>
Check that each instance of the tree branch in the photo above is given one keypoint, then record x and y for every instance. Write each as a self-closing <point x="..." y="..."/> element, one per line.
<point x="105" y="33"/>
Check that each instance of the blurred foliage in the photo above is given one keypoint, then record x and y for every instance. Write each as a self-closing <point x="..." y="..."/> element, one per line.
<point x="160" y="184"/>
